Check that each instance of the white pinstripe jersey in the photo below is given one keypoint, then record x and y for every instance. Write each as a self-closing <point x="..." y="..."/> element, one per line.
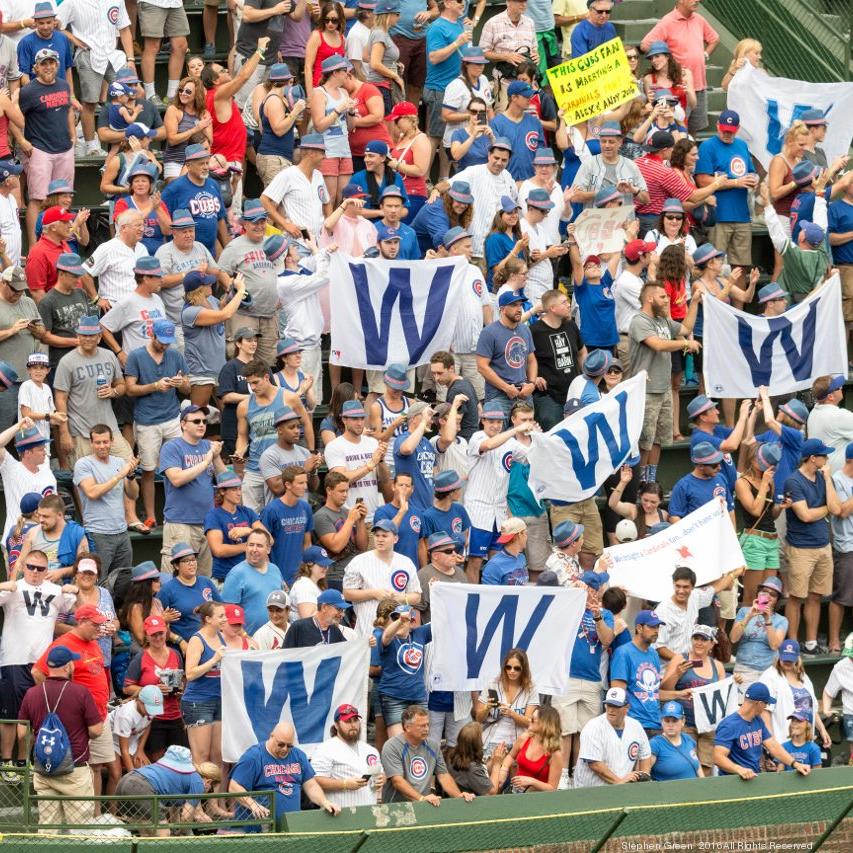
<point x="599" y="742"/>
<point x="488" y="481"/>
<point x="337" y="759"/>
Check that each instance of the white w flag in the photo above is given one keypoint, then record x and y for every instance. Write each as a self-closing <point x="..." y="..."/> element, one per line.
<point x="573" y="459"/>
<point x="768" y="106"/>
<point x="299" y="686"/>
<point x="743" y="352"/>
<point x="385" y="312"/>
<point x="713" y="702"/>
<point x="475" y="626"/>
<point x="704" y="540"/>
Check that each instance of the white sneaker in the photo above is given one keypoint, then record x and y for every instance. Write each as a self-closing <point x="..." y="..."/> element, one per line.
<point x="95" y="150"/>
<point x="565" y="781"/>
<point x="80" y="149"/>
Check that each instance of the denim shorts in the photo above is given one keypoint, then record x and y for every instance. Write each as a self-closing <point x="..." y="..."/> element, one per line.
<point x="392" y="709"/>
<point x="203" y="713"/>
<point x="847" y="726"/>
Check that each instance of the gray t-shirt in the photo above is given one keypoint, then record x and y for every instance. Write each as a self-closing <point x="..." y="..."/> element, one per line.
<point x="133" y="316"/>
<point x="328" y="521"/>
<point x="389" y="60"/>
<point x="657" y="364"/>
<point x="274" y="458"/>
<point x="17" y="348"/>
<point x="106" y="514"/>
<point x="77" y="375"/>
<point x="428" y="575"/>
<point x="8" y="62"/>
<point x="416" y="764"/>
<point x="173" y="261"/>
<point x="242" y="255"/>
<point x="61" y="314"/>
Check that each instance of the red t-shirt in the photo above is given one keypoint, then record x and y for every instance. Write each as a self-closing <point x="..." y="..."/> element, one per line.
<point x="88" y="671"/>
<point x="360" y="136"/>
<point x="677" y="293"/>
<point x="41" y="269"/>
<point x="144" y="670"/>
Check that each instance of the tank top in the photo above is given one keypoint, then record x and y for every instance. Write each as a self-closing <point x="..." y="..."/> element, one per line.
<point x="271" y="142"/>
<point x="677" y="91"/>
<point x="49" y="546"/>
<point x="5" y="151"/>
<point x="262" y="431"/>
<point x="229" y="137"/>
<point x="692" y="679"/>
<point x="336" y="136"/>
<point x="538" y="769"/>
<point x="414" y="186"/>
<point x="175" y="153"/>
<point x="388" y="417"/>
<point x="209" y="686"/>
<point x="764" y="522"/>
<point x="782" y="206"/>
<point x="324" y="51"/>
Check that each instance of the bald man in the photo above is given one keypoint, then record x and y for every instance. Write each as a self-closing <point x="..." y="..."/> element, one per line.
<point x="276" y="765"/>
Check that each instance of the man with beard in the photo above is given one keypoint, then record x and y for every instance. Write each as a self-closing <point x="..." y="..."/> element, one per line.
<point x="348" y="769"/>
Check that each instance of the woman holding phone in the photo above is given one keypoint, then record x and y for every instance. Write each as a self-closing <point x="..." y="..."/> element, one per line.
<point x="506" y="706"/>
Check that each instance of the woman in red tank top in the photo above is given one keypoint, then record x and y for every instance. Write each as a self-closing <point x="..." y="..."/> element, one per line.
<point x="665" y="73"/>
<point x="325" y="41"/>
<point x="536" y="755"/>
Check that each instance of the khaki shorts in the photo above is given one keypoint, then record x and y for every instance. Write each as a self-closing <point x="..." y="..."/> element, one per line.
<point x="154" y="22"/>
<point x="83" y="447"/>
<point x="735" y="239"/>
<point x="809" y="571"/>
<point x="704" y="746"/>
<point x="101" y="748"/>
<point x="657" y="420"/>
<point x="538" y="547"/>
<point x="193" y="535"/>
<point x="585" y="513"/>
<point x="150" y="438"/>
<point x="846" y="271"/>
<point x="580" y="705"/>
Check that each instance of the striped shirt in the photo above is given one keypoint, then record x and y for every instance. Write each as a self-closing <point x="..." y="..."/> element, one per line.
<point x="487" y="190"/>
<point x="112" y="264"/>
<point x="600" y="742"/>
<point x="663" y="182"/>
<point x="300" y="200"/>
<point x="501" y="35"/>
<point x="337" y="759"/>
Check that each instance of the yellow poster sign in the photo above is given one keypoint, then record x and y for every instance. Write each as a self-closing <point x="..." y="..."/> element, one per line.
<point x="594" y="83"/>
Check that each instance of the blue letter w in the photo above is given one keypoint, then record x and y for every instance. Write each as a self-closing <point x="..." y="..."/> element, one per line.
<point x="399" y="287"/>
<point x="775" y="131"/>
<point x="598" y="423"/>
<point x="309" y="714"/>
<point x="800" y="361"/>
<point x="505" y="613"/>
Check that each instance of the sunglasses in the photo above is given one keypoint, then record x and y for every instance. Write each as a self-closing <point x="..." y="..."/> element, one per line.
<point x="673" y="217"/>
<point x="332" y="20"/>
<point x="603" y="11"/>
<point x="187" y="91"/>
<point x="194" y="421"/>
<point x="512" y="668"/>
<point x="614" y="370"/>
<point x="34" y="568"/>
<point x="632" y="56"/>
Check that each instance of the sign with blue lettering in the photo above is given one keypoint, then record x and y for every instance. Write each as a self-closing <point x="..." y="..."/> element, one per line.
<point x="712" y="702"/>
<point x="475" y="626"/>
<point x="571" y="461"/>
<point x="785" y="354"/>
<point x="298" y="686"/>
<point x="385" y="312"/>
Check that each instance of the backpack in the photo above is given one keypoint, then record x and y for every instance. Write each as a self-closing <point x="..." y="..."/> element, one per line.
<point x="52" y="749"/>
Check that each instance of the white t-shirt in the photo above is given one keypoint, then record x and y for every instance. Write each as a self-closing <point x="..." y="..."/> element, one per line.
<point x="487" y="190"/>
<point x="269" y="637"/>
<point x="599" y="742"/>
<point x="551" y="222"/>
<point x="134" y="315"/>
<point x="457" y="96"/>
<point x="469" y="320"/>
<point x="841" y="680"/>
<point x="540" y="275"/>
<point x="303" y="591"/>
<point x="663" y="242"/>
<point x="357" y="41"/>
<point x="18" y="481"/>
<point x="10" y="225"/>
<point x="39" y="400"/>
<point x="301" y="200"/>
<point x="337" y="759"/>
<point x="343" y="453"/>
<point x="16" y="10"/>
<point x="488" y="481"/>
<point x="96" y="23"/>
<point x="626" y="293"/>
<point x="455" y="458"/>
<point x="113" y="262"/>
<point x="126" y="721"/>
<point x="368" y="571"/>
<point x="30" y="615"/>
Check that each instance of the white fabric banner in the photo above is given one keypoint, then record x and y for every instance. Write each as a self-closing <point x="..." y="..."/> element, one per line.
<point x="768" y="106"/>
<point x="573" y="459"/>
<point x="713" y="702"/>
<point x="599" y="231"/>
<point x="704" y="540"/>
<point x="299" y="686"/>
<point x="385" y="312"/>
<point x="743" y="352"/>
<point x="474" y="626"/>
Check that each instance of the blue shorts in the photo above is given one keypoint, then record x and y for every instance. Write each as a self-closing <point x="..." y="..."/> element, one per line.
<point x="392" y="709"/>
<point x="202" y="713"/>
<point x="480" y="542"/>
<point x="847" y="727"/>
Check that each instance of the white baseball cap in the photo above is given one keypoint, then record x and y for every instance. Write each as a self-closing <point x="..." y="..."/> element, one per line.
<point x="616" y="696"/>
<point x="626" y="531"/>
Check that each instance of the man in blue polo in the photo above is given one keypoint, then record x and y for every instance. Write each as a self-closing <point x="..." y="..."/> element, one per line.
<point x="509" y="566"/>
<point x="705" y="417"/>
<point x="704" y="483"/>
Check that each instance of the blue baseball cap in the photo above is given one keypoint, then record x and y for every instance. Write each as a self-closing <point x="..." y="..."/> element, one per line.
<point x="164" y="331"/>
<point x="567" y="533"/>
<point x="492" y="412"/>
<point x="759" y="692"/>
<point x="142" y="131"/>
<point x="571" y="406"/>
<point x="657" y="527"/>
<point x="61" y="656"/>
<point x="672" y="709"/>
<point x="447" y="481"/>
<point x="440" y="539"/>
<point x="519" y="87"/>
<point x="509" y="205"/>
<point x="729" y="121"/>
<point x="802" y="716"/>
<point x="71" y="263"/>
<point x="648" y="617"/>
<point x="594" y="580"/>
<point x="334" y="598"/>
<point x="385" y="524"/>
<point x="815" y="447"/>
<point x="835" y="383"/>
<point x="461" y="191"/>
<point x="700" y="403"/>
<point x="115" y="89"/>
<point x="318" y="555"/>
<point x="813" y="234"/>
<point x="377" y="146"/>
<point x="353" y="409"/>
<point x="454" y="235"/>
<point x="387" y="7"/>
<point x="789" y="651"/>
<point x="353" y="191"/>
<point x="510" y="297"/>
<point x="195" y="279"/>
<point x="771" y="291"/>
<point x="8" y="168"/>
<point x="383" y="232"/>
<point x="704" y="453"/>
<point x="396" y="377"/>
<point x="29" y="503"/>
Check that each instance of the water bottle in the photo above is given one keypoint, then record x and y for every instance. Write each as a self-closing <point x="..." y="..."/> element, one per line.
<point x="101" y="381"/>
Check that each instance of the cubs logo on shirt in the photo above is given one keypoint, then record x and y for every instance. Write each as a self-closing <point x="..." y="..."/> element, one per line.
<point x="323" y="194"/>
<point x="633" y="750"/>
<point x="737" y="166"/>
<point x="372" y="760"/>
<point x="400" y="579"/>
<point x="719" y="491"/>
<point x="477" y="286"/>
<point x="418" y="767"/>
<point x="415" y="524"/>
<point x="506" y="461"/>
<point x="410" y="658"/>
<point x="531" y="140"/>
<point x="515" y="351"/>
<point x="456" y="525"/>
<point x="207" y="594"/>
<point x="112" y="15"/>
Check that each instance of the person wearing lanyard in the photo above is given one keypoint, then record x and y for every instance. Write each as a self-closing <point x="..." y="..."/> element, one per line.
<point x="323" y="627"/>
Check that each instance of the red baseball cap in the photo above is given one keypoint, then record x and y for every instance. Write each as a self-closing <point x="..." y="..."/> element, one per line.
<point x="234" y="614"/>
<point x="91" y="613"/>
<point x="403" y="108"/>
<point x="635" y="248"/>
<point x="154" y="625"/>
<point x="57" y="214"/>
<point x="592" y="259"/>
<point x="347" y="713"/>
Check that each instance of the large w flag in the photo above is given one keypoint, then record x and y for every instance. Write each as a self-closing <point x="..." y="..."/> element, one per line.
<point x="572" y="460"/>
<point x="298" y="686"/>
<point x="768" y="106"/>
<point x="385" y="312"/>
<point x="475" y="626"/>
<point x="744" y="352"/>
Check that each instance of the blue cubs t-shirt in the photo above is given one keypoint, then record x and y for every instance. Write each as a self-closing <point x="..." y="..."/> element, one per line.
<point x="419" y="466"/>
<point x="674" y="762"/>
<point x="802" y="210"/>
<point x="526" y="136"/>
<point x="258" y="770"/>
<point x="735" y="160"/>
<point x="185" y="598"/>
<point x="288" y="525"/>
<point x="691" y="492"/>
<point x="164" y="780"/>
<point x="716" y="438"/>
<point x="808" y="753"/>
<point x="187" y="504"/>
<point x="504" y="569"/>
<point x="32" y="43"/>
<point x="597" y="309"/>
<point x="402" y="663"/>
<point x="586" y="652"/>
<point x="806" y="534"/>
<point x="507" y="350"/>
<point x="744" y="740"/>
<point x="440" y="34"/>
<point x="410" y="531"/>
<point x="431" y="223"/>
<point x="249" y="588"/>
<point x="840" y="219"/>
<point x="454" y="521"/>
<point x="204" y="204"/>
<point x="220" y="519"/>
<point x="641" y="673"/>
<point x="159" y="407"/>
